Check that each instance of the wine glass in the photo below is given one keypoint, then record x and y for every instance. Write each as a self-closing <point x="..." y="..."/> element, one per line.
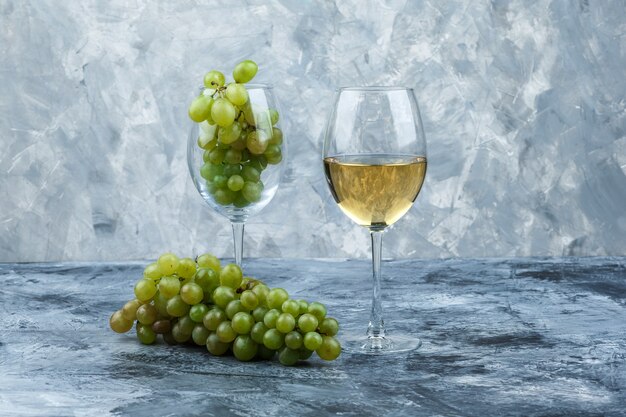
<point x="237" y="169"/>
<point x="375" y="163"/>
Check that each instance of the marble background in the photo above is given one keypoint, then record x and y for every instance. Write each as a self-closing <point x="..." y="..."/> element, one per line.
<point x="523" y="103"/>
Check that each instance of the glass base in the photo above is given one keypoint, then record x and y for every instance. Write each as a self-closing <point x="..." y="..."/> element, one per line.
<point x="359" y="344"/>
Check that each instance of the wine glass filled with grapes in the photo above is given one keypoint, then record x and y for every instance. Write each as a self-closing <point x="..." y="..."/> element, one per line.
<point x="375" y="164"/>
<point x="235" y="150"/>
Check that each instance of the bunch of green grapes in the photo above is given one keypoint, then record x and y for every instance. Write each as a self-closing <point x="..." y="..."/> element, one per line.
<point x="239" y="138"/>
<point x="204" y="303"/>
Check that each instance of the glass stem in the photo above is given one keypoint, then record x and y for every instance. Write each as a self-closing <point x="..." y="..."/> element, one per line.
<point x="238" y="241"/>
<point x="376" y="326"/>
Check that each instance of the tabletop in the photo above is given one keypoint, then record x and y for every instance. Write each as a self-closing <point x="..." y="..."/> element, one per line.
<point x="523" y="336"/>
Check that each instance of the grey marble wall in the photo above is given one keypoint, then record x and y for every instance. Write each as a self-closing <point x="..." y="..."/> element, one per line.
<point x="523" y="103"/>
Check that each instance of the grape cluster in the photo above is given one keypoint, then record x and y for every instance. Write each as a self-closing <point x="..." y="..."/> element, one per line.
<point x="204" y="303"/>
<point x="239" y="138"/>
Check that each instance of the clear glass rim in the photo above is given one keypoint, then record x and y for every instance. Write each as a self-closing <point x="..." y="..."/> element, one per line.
<point x="251" y="86"/>
<point x="375" y="88"/>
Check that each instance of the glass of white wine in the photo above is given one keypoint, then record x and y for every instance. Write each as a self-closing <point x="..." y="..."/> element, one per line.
<point x="375" y="164"/>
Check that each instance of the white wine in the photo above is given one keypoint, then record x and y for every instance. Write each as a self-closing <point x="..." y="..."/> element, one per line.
<point x="375" y="190"/>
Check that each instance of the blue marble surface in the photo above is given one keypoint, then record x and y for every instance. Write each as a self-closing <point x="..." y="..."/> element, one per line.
<point x="515" y="337"/>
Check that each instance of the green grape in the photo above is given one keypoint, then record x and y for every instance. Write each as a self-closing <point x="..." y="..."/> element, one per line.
<point x="237" y="94"/>
<point x="214" y="79"/>
<point x="249" y="300"/>
<point x="186" y="268"/>
<point x="145" y="334"/>
<point x="235" y="183"/>
<point x="207" y="279"/>
<point x="162" y="326"/>
<point x="288" y="357"/>
<point x="273" y="116"/>
<point x="209" y="261"/>
<point x="304" y="306"/>
<point x="147" y="314"/>
<point x="264" y="353"/>
<point x="197" y="312"/>
<point x="200" y="108"/>
<point x="176" y="307"/>
<point x="250" y="174"/>
<point x="258" y="162"/>
<point x="232" y="169"/>
<point x="259" y="313"/>
<point x="293" y="340"/>
<point x="261" y="292"/>
<point x="231" y="276"/>
<point x="239" y="145"/>
<point x="191" y="293"/>
<point x="145" y="289"/>
<point x="329" y="326"/>
<point x="223" y="112"/>
<point x="245" y="71"/>
<point x="312" y="340"/>
<point x="292" y="307"/>
<point x="209" y="171"/>
<point x="258" y="331"/>
<point x="285" y="323"/>
<point x="200" y="334"/>
<point x="230" y="134"/>
<point x="307" y="323"/>
<point x="160" y="303"/>
<point x="169" y="339"/>
<point x="179" y="335"/>
<point x="224" y="197"/>
<point x="256" y="142"/>
<point x="213" y="318"/>
<point x="330" y="349"/>
<point x="304" y="353"/>
<point x="215" y="346"/>
<point x="225" y="332"/>
<point x="277" y="137"/>
<point x="232" y="156"/>
<point x="244" y="348"/>
<point x="220" y="181"/>
<point x="272" y="151"/>
<point x="169" y="286"/>
<point x="186" y="324"/>
<point x="222" y="296"/>
<point x="270" y="318"/>
<point x="233" y="308"/>
<point x="119" y="324"/>
<point x="240" y="201"/>
<point x="275" y="160"/>
<point x="318" y="310"/>
<point x="216" y="156"/>
<point x="168" y="263"/>
<point x="129" y="310"/>
<point x="276" y="297"/>
<point x="251" y="191"/>
<point x="152" y="272"/>
<point x="273" y="339"/>
<point x="222" y="146"/>
<point x="245" y="153"/>
<point x="242" y="323"/>
<point x="205" y="159"/>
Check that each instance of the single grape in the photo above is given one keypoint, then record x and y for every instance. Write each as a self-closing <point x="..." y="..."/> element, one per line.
<point x="209" y="170"/>
<point x="162" y="326"/>
<point x="223" y="112"/>
<point x="237" y="94"/>
<point x="258" y="162"/>
<point x="304" y="353"/>
<point x="230" y="134"/>
<point x="169" y="286"/>
<point x="293" y="340"/>
<point x="318" y="310"/>
<point x="220" y="181"/>
<point x="250" y="174"/>
<point x="277" y="137"/>
<point x="242" y="323"/>
<point x="271" y="317"/>
<point x="264" y="353"/>
<point x="169" y="339"/>
<point x="191" y="293"/>
<point x="119" y="324"/>
<point x="329" y="349"/>
<point x="261" y="292"/>
<point x="312" y="340"/>
<point x="147" y="314"/>
<point x="152" y="272"/>
<point x="129" y="310"/>
<point x="304" y="306"/>
<point x="307" y="323"/>
<point x="186" y="268"/>
<point x="329" y="326"/>
<point x="145" y="289"/>
<point x="273" y="116"/>
<point x="145" y="334"/>
<point x="216" y="156"/>
<point x="207" y="279"/>
<point x="249" y="300"/>
<point x="197" y="312"/>
<point x="186" y="324"/>
<point x="272" y="151"/>
<point x="233" y="308"/>
<point x="208" y="261"/>
<point x="245" y="71"/>
<point x="240" y="201"/>
<point x="215" y="346"/>
<point x="275" y="159"/>
<point x="257" y="142"/>
<point x="225" y="332"/>
<point x="168" y="263"/>
<point x="160" y="303"/>
<point x="179" y="335"/>
<point x="200" y="108"/>
<point x="232" y="156"/>
<point x="232" y="169"/>
<point x="259" y="313"/>
<point x="292" y="307"/>
<point x="288" y="357"/>
<point x="244" y="348"/>
<point x="251" y="191"/>
<point x="199" y="334"/>
<point x="224" y="197"/>
<point x="258" y="331"/>
<point x="222" y="296"/>
<point x="273" y="339"/>
<point x="276" y="297"/>
<point x="214" y="79"/>
<point x="213" y="318"/>
<point x="176" y="307"/>
<point x="231" y="276"/>
<point x="285" y="323"/>
<point x="235" y="183"/>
